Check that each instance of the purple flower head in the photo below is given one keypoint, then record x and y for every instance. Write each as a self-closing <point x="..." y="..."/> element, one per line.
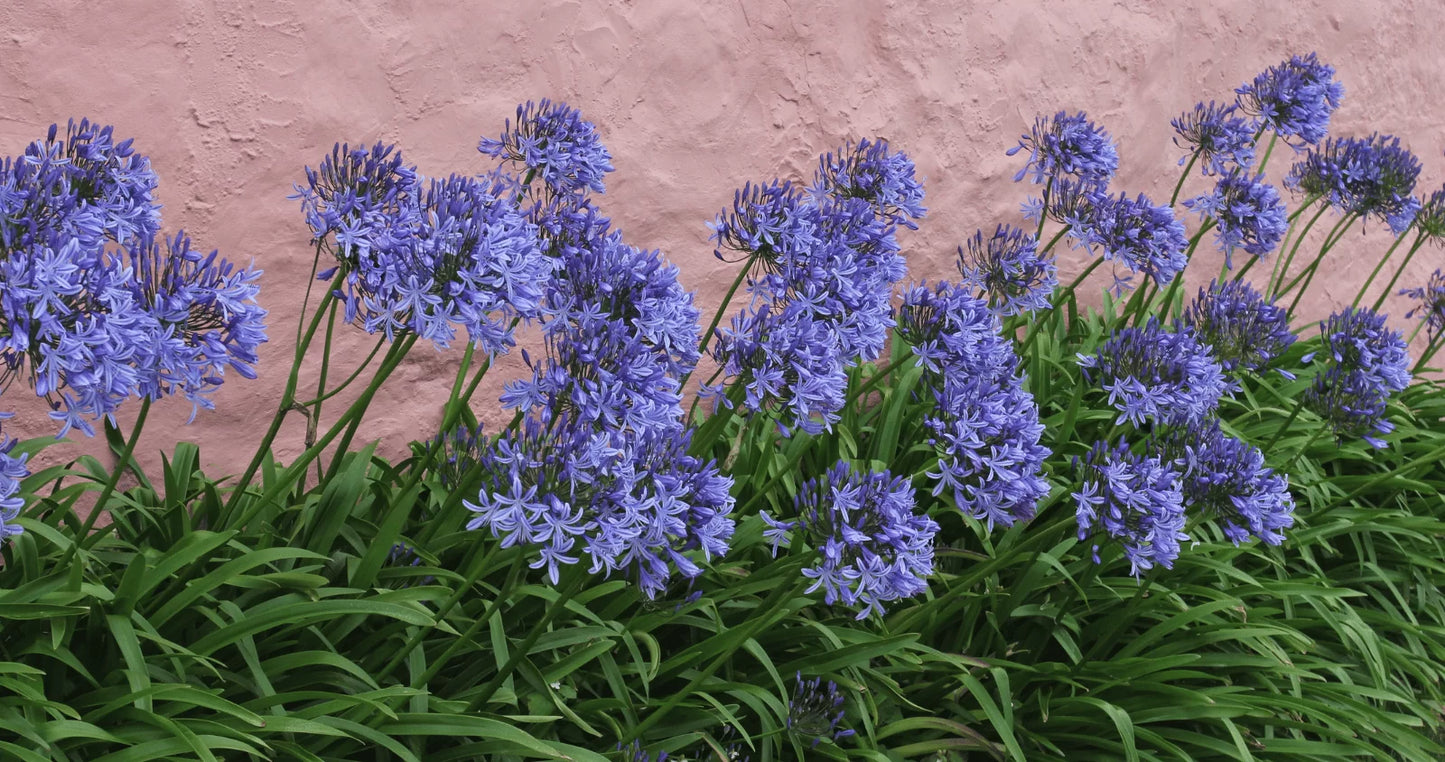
<point x="1067" y="147"/>
<point x="868" y="171"/>
<point x="1135" y="499"/>
<point x="636" y="752"/>
<point x="1222" y="140"/>
<point x="13" y="470"/>
<point x="1008" y="271"/>
<point x="1368" y="363"/>
<point x="424" y="259"/>
<point x="1371" y="176"/>
<point x="1242" y="329"/>
<point x="725" y="744"/>
<point x="1146" y="238"/>
<point x="1249" y="212"/>
<point x="84" y="186"/>
<point x="93" y="309"/>
<point x="872" y="546"/>
<point x="820" y="280"/>
<point x="1153" y="374"/>
<point x="1295" y="98"/>
<point x="633" y="502"/>
<point x="205" y="320"/>
<point x="1226" y="479"/>
<point x="552" y="142"/>
<point x="986" y="426"/>
<point x="1069" y="202"/>
<point x="1431" y="307"/>
<point x="816" y="710"/>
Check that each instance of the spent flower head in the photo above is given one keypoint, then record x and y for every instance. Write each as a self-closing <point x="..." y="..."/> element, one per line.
<point x="1133" y="498"/>
<point x="1249" y="213"/>
<point x="1372" y="176"/>
<point x="1295" y="98"/>
<point x="985" y="426"/>
<point x="1218" y="135"/>
<point x="1008" y="271"/>
<point x="552" y="141"/>
<point x="1067" y="146"/>
<point x="1157" y="375"/>
<point x="1243" y="329"/>
<point x="872" y="546"/>
<point x="1431" y="303"/>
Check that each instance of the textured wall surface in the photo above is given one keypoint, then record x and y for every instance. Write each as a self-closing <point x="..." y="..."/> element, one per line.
<point x="232" y="99"/>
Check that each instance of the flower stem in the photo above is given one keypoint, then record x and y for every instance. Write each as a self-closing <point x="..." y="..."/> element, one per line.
<point x="1173" y="199"/>
<point x="1381" y="264"/>
<point x="1409" y="255"/>
<point x="520" y="652"/>
<point x="83" y="537"/>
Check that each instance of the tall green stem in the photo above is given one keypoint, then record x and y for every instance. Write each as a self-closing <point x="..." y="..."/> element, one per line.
<point x="1409" y="255"/>
<point x="721" y="310"/>
<point x="1174" y="198"/>
<point x="520" y="652"/>
<point x="125" y="458"/>
<point x="1282" y="264"/>
<point x="1381" y="265"/>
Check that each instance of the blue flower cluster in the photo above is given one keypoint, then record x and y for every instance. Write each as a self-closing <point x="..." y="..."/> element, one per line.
<point x="1371" y="176"/>
<point x="820" y="274"/>
<point x="1007" y="270"/>
<point x="1154" y="374"/>
<point x="1249" y="212"/>
<point x="94" y="306"/>
<point x="1134" y="498"/>
<point x="423" y="257"/>
<point x="816" y="710"/>
<point x="600" y="464"/>
<point x="986" y="425"/>
<point x="1221" y="139"/>
<point x="553" y="143"/>
<point x="1227" y="479"/>
<point x="1431" y="307"/>
<point x="1369" y="363"/>
<point x="1243" y="330"/>
<point x="869" y="171"/>
<point x="872" y="546"/>
<point x="1144" y="236"/>
<point x="1295" y="98"/>
<point x="1067" y="147"/>
<point x="13" y="470"/>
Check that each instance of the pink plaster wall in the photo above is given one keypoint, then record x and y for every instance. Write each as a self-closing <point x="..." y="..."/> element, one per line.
<point x="232" y="99"/>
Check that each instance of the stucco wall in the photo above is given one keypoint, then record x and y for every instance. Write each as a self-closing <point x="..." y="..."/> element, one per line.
<point x="231" y="100"/>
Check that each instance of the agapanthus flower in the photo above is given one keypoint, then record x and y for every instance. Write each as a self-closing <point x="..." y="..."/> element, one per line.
<point x="1367" y="363"/>
<point x="403" y="556"/>
<point x="620" y="335"/>
<point x="206" y="320"/>
<point x="820" y="281"/>
<point x="1067" y="147"/>
<point x="1145" y="237"/>
<point x="1227" y="480"/>
<point x="93" y="308"/>
<point x="13" y="470"/>
<point x="1431" y="306"/>
<point x="1135" y="499"/>
<point x="985" y="426"/>
<point x="1295" y="98"/>
<point x="816" y="710"/>
<point x="1222" y="139"/>
<point x="424" y="257"/>
<point x="638" y="505"/>
<point x="872" y="546"/>
<point x="1157" y="375"/>
<point x="1243" y="329"/>
<point x="1008" y="270"/>
<point x="553" y="142"/>
<point x="1371" y="176"/>
<point x="1249" y="213"/>
<point x="867" y="170"/>
<point x="1070" y="202"/>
